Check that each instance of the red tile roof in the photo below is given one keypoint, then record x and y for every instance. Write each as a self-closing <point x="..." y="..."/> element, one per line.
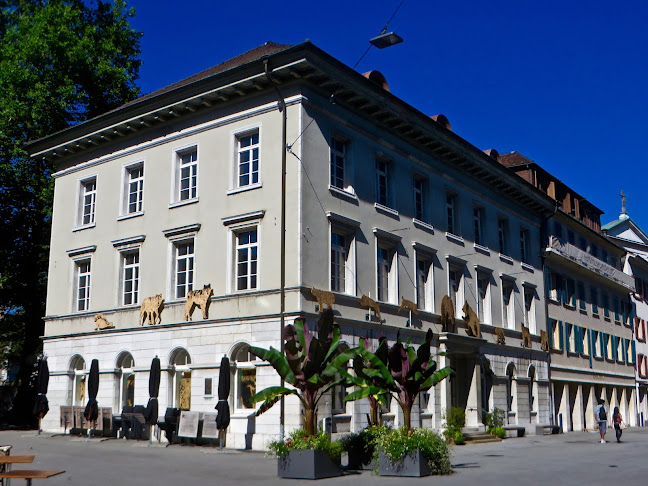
<point x="514" y="159"/>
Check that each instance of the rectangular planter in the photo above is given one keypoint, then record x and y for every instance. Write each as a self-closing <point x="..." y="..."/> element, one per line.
<point x="413" y="465"/>
<point x="359" y="459"/>
<point x="307" y="464"/>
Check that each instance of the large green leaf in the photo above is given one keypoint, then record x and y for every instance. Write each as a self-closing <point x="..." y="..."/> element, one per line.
<point x="278" y="361"/>
<point x="269" y="396"/>
<point x="436" y="377"/>
<point x="365" y="392"/>
<point x="333" y="348"/>
<point x="338" y="363"/>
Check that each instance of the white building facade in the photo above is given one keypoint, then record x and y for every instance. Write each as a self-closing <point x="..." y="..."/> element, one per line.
<point x="181" y="189"/>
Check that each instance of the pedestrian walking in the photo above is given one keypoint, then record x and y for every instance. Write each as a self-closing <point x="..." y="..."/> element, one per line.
<point x="617" y="419"/>
<point x="600" y="415"/>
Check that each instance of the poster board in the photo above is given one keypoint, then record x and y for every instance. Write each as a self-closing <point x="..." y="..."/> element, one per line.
<point x="209" y="430"/>
<point x="188" y="426"/>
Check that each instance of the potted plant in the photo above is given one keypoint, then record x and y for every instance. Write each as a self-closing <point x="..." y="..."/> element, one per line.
<point x="304" y="456"/>
<point x="361" y="446"/>
<point x="494" y="423"/>
<point x="454" y="421"/>
<point x="309" y="364"/>
<point x="412" y="453"/>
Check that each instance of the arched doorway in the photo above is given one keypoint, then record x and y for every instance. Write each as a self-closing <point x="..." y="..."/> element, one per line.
<point x="181" y="379"/>
<point x="244" y="369"/>
<point x="511" y="394"/>
<point x="125" y="381"/>
<point x="533" y="395"/>
<point x="78" y="381"/>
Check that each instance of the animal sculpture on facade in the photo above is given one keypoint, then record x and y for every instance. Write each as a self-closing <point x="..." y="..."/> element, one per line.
<point x="371" y="304"/>
<point x="526" y="337"/>
<point x="501" y="338"/>
<point x="447" y="314"/>
<point x="102" y="323"/>
<point x="325" y="299"/>
<point x="151" y="310"/>
<point x="544" y="341"/>
<point x="408" y="305"/>
<point x="472" y="321"/>
<point x="200" y="299"/>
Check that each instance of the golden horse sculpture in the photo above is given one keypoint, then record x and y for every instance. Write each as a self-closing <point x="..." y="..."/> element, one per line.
<point x="325" y="299"/>
<point x="371" y="304"/>
<point x="151" y="310"/>
<point x="526" y="337"/>
<point x="447" y="314"/>
<point x="408" y="305"/>
<point x="200" y="299"/>
<point x="472" y="321"/>
<point x="102" y="323"/>
<point x="501" y="337"/>
<point x="544" y="340"/>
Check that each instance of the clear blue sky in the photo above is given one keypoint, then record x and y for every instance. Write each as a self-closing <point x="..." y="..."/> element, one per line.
<point x="562" y="82"/>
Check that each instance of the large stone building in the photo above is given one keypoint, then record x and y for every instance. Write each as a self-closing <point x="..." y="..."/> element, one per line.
<point x="588" y="306"/>
<point x="625" y="232"/>
<point x="182" y="188"/>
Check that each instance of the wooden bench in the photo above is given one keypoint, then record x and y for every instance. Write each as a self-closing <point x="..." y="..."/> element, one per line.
<point x="516" y="430"/>
<point x="7" y="461"/>
<point x="29" y="474"/>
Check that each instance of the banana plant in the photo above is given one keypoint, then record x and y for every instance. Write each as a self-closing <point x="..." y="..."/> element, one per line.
<point x="401" y="371"/>
<point x="311" y="365"/>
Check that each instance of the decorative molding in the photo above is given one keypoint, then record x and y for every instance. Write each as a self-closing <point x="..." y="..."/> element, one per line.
<point x="341" y="193"/>
<point x="455" y="239"/>
<point x="482" y="268"/>
<point x="241" y="218"/>
<point x="527" y="267"/>
<point x="506" y="259"/>
<point x="482" y="249"/>
<point x="181" y="230"/>
<point x="423" y="225"/>
<point x="380" y="233"/>
<point x="456" y="260"/>
<point x="131" y="240"/>
<point x="417" y="245"/>
<point x="392" y="213"/>
<point x="249" y="187"/>
<point x="80" y="251"/>
<point x="186" y="202"/>
<point x="344" y="220"/>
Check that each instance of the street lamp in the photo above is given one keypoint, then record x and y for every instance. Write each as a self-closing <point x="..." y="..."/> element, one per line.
<point x="385" y="39"/>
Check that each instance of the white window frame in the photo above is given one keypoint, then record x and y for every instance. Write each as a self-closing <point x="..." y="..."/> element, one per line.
<point x="478" y="225"/>
<point x="530" y="319"/>
<point x="419" y="189"/>
<point x="386" y="261"/>
<point x="508" y="310"/>
<point x="335" y="155"/>
<point x="525" y="245"/>
<point x="128" y="182"/>
<point x="383" y="179"/>
<point x="78" y="262"/>
<point x="484" y="306"/>
<point x="136" y="268"/>
<point x="84" y="202"/>
<point x="239" y="366"/>
<point x="451" y="205"/>
<point x="252" y="266"/>
<point x="424" y="271"/>
<point x="349" y="262"/>
<point x="249" y="149"/>
<point x="503" y="235"/>
<point x="176" y="245"/>
<point x="459" y="293"/>
<point x="194" y="173"/>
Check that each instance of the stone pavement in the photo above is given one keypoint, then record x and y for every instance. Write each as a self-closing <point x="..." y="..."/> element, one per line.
<point x="569" y="459"/>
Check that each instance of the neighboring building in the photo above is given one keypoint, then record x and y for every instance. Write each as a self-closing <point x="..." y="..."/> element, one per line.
<point x="625" y="232"/>
<point x="587" y="295"/>
<point x="181" y="188"/>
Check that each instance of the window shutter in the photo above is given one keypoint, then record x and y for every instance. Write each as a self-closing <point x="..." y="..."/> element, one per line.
<point x="634" y="352"/>
<point x="573" y="295"/>
<point x="624" y="349"/>
<point x="637" y="321"/>
<point x="623" y="313"/>
<point x="561" y="336"/>
<point x="591" y="346"/>
<point x="580" y="348"/>
<point x="615" y="303"/>
<point x="547" y="276"/>
<point x="550" y="329"/>
<point x="615" y="353"/>
<point x="603" y="347"/>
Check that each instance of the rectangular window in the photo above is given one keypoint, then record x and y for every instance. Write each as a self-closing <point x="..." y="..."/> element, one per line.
<point x="424" y="279"/>
<point x="83" y="285"/>
<point x="554" y="286"/>
<point x="582" y="305"/>
<point x="605" y="302"/>
<point x="245" y="387"/>
<point x="585" y="342"/>
<point x="594" y="250"/>
<point x="88" y="202"/>
<point x="571" y="292"/>
<point x="339" y="154"/>
<point x="419" y="198"/>
<point x="608" y="346"/>
<point x="135" y="189"/>
<point x="615" y="307"/>
<point x="582" y="243"/>
<point x="451" y="212"/>
<point x="571" y="237"/>
<point x="556" y="334"/>
<point x="184" y="268"/>
<point x="455" y="288"/>
<point x="187" y="175"/>
<point x="558" y="230"/>
<point x="524" y="245"/>
<point x="483" y="298"/>
<point x="508" y="309"/>
<point x="131" y="276"/>
<point x="248" y="158"/>
<point x="594" y="300"/>
<point x="478" y="219"/>
<point x="597" y="343"/>
<point x="386" y="264"/>
<point x="502" y="235"/>
<point x="571" y="333"/>
<point x="529" y="310"/>
<point x="208" y="387"/>
<point x="382" y="182"/>
<point x="247" y="248"/>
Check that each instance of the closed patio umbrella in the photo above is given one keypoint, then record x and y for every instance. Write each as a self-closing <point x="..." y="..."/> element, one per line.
<point x="151" y="412"/>
<point x="91" y="411"/>
<point x="41" y="407"/>
<point x="223" y="417"/>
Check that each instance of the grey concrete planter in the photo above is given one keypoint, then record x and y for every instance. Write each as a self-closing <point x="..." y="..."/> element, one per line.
<point x="413" y="465"/>
<point x="307" y="464"/>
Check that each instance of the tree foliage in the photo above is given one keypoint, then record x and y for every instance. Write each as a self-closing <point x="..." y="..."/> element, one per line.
<point x="61" y="63"/>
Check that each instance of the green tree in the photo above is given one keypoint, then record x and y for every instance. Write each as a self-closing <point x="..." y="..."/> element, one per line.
<point x="61" y="62"/>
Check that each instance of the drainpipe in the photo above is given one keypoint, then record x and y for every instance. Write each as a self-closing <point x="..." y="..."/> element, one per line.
<point x="282" y="264"/>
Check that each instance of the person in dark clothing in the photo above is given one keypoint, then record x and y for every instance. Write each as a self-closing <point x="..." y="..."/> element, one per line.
<point x="618" y="420"/>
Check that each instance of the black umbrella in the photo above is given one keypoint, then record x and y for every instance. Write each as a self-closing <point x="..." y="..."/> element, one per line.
<point x="41" y="407"/>
<point x="223" y="417"/>
<point x="151" y="412"/>
<point x="91" y="412"/>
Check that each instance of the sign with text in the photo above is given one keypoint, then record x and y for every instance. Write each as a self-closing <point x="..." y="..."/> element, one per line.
<point x="188" y="426"/>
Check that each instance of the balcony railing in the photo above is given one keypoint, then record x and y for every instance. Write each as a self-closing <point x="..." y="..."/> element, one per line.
<point x="585" y="260"/>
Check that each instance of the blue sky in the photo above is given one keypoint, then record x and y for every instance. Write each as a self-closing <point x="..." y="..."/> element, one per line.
<point x="562" y="82"/>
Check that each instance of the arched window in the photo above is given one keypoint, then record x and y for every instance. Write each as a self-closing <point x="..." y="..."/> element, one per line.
<point x="533" y="393"/>
<point x="244" y="366"/>
<point x="78" y="381"/>
<point x="511" y="393"/>
<point x="125" y="381"/>
<point x="181" y="379"/>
